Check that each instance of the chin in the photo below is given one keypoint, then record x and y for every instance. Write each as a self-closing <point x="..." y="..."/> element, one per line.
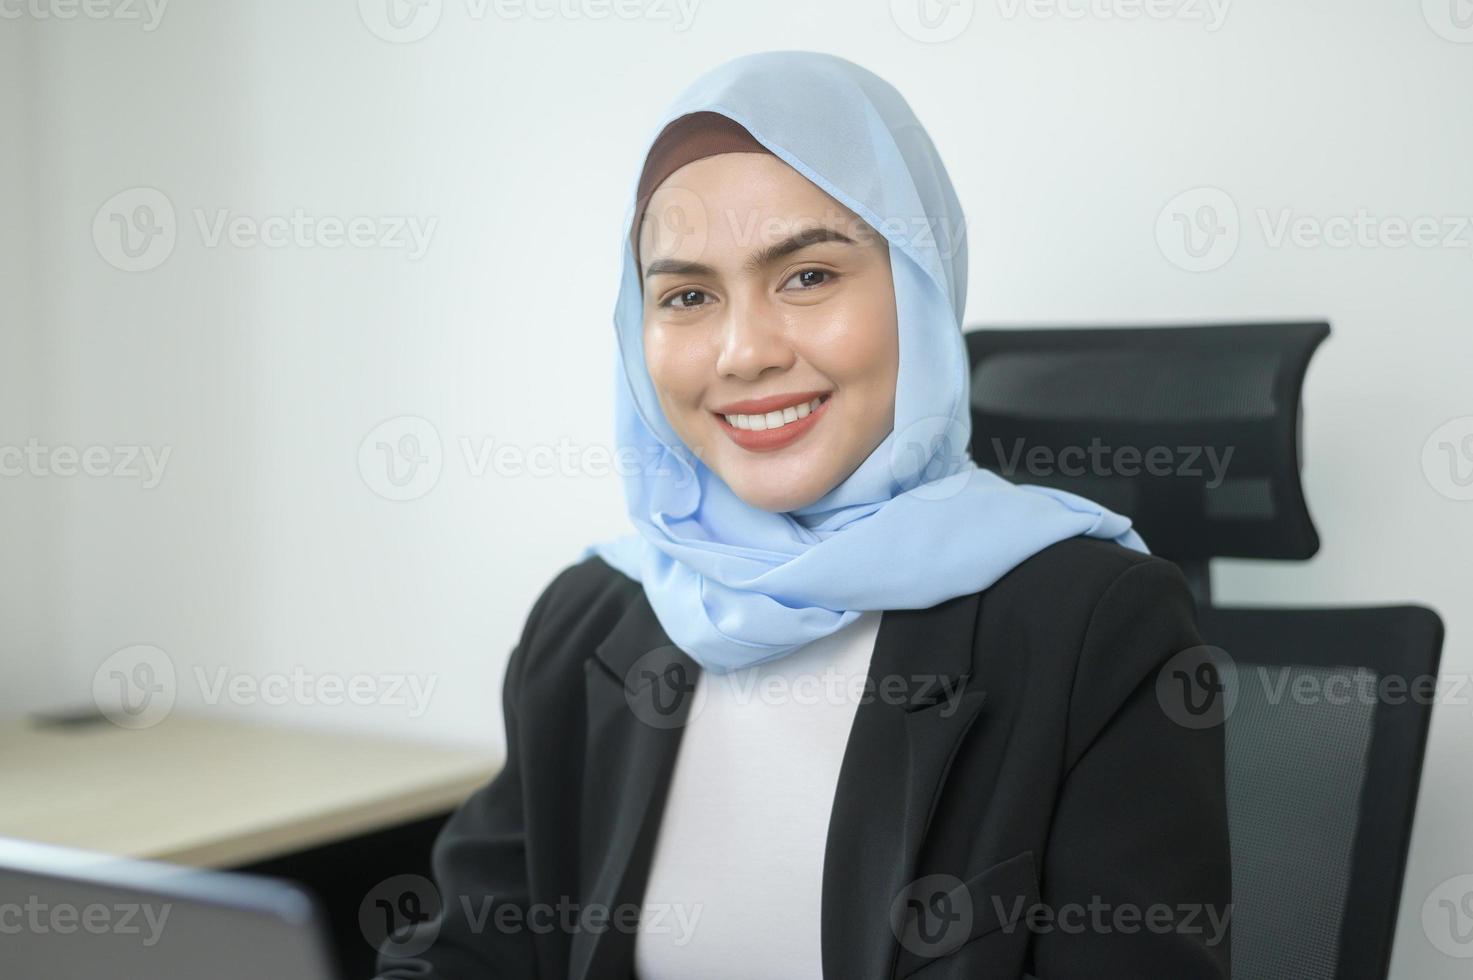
<point x="770" y="492"/>
<point x="780" y="504"/>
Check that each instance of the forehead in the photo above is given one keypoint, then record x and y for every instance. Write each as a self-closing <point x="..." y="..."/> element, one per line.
<point x="723" y="207"/>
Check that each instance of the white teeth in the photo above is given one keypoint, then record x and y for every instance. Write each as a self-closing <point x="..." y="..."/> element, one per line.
<point x="773" y="420"/>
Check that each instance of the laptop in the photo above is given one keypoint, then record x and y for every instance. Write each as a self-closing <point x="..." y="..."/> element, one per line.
<point x="74" y="915"/>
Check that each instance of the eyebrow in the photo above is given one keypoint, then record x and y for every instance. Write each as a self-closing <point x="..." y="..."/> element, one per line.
<point x="758" y="259"/>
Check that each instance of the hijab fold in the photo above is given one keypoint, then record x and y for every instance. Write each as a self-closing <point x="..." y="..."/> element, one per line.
<point x="918" y="522"/>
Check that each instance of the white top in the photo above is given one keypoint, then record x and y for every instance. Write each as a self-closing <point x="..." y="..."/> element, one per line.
<point x="736" y="881"/>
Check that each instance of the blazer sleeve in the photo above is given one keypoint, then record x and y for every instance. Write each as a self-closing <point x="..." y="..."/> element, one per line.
<point x="1137" y="876"/>
<point x="479" y="865"/>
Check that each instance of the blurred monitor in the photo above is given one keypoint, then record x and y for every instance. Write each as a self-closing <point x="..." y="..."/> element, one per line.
<point x="74" y="915"/>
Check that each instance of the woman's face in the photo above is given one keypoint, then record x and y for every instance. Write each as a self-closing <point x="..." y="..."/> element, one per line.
<point x="769" y="327"/>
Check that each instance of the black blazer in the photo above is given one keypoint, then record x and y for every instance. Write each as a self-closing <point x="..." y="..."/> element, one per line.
<point x="1043" y="809"/>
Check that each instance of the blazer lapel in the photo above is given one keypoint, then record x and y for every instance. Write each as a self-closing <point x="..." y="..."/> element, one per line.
<point x="900" y="748"/>
<point x="638" y="690"/>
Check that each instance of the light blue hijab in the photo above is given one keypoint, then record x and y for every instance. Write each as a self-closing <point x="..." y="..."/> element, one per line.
<point x="918" y="522"/>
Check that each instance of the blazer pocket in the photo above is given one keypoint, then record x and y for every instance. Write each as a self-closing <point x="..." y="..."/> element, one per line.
<point x="974" y="928"/>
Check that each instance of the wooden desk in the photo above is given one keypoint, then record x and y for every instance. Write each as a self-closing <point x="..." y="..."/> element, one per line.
<point x="219" y="793"/>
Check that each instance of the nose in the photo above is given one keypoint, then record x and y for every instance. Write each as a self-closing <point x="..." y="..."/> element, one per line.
<point x="754" y="340"/>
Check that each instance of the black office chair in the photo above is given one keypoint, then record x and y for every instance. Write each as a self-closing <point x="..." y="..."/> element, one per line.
<point x="1194" y="433"/>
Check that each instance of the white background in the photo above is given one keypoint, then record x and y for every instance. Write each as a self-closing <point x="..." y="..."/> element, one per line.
<point x="262" y="369"/>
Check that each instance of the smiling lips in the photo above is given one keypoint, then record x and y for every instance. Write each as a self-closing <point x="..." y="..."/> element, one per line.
<point x="765" y="424"/>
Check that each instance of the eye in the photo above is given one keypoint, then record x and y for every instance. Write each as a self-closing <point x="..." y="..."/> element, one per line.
<point x="809" y="278"/>
<point x="686" y="299"/>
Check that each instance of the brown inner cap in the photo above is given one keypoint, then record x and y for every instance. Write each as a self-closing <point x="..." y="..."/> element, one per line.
<point x="691" y="137"/>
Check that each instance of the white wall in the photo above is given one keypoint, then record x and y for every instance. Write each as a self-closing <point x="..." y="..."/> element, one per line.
<point x="262" y="369"/>
<point x="24" y="512"/>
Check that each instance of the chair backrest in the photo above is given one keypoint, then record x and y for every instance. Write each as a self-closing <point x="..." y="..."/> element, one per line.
<point x="1191" y="431"/>
<point x="1327" y="713"/>
<point x="1322" y="778"/>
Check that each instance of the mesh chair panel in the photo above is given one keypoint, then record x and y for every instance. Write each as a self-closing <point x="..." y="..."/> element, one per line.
<point x="1324" y="755"/>
<point x="1296" y="767"/>
<point x="1250" y="499"/>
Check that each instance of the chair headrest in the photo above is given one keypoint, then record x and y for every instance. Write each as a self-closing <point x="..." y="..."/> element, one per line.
<point x="1192" y="431"/>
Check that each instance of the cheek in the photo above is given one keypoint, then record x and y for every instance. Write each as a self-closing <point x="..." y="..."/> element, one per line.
<point x="856" y="344"/>
<point x="673" y="359"/>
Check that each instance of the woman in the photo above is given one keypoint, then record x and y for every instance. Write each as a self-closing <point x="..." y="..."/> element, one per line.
<point x="980" y="779"/>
